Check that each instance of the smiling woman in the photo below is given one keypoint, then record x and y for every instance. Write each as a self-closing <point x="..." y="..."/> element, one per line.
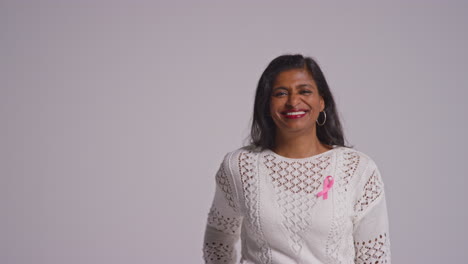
<point x="275" y="87"/>
<point x="295" y="104"/>
<point x="297" y="194"/>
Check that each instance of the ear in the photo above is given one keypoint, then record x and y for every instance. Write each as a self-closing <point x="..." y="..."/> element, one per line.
<point x="322" y="104"/>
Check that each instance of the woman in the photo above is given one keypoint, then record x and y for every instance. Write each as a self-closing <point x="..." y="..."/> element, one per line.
<point x="297" y="194"/>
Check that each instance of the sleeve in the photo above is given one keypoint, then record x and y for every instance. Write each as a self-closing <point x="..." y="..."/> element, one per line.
<point x="224" y="221"/>
<point x="371" y="228"/>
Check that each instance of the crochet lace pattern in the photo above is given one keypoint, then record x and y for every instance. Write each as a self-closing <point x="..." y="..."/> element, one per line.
<point x="229" y="225"/>
<point x="373" y="251"/>
<point x="216" y="252"/>
<point x="295" y="184"/>
<point x="223" y="183"/>
<point x="347" y="164"/>
<point x="372" y="190"/>
<point x="248" y="169"/>
<point x="271" y="203"/>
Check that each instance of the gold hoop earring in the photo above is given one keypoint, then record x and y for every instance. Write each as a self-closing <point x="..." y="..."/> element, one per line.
<point x="324" y="119"/>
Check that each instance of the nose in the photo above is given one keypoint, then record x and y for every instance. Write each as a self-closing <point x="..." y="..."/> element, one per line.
<point x="293" y="100"/>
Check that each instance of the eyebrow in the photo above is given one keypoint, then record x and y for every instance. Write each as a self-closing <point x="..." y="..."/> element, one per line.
<point x="299" y="86"/>
<point x="280" y="88"/>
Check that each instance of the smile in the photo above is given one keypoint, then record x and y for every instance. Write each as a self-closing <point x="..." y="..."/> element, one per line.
<point x="294" y="114"/>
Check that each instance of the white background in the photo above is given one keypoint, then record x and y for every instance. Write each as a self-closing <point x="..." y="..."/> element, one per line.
<point x="115" y="116"/>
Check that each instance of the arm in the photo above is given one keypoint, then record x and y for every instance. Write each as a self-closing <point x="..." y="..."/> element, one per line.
<point x="224" y="221"/>
<point x="371" y="237"/>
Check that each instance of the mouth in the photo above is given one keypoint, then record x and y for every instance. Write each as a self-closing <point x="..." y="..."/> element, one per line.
<point x="294" y="113"/>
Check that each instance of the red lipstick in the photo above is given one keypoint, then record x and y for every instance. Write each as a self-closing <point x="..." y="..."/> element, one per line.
<point x="294" y="113"/>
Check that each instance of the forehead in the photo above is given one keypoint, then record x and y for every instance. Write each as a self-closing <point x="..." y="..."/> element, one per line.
<point x="293" y="76"/>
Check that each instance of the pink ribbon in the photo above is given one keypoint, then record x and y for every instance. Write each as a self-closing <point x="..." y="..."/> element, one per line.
<point x="327" y="184"/>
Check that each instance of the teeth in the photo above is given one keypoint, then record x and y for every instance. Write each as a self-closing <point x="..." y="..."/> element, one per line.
<point x="295" y="113"/>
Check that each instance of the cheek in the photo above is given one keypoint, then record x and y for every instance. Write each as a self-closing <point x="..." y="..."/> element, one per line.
<point x="317" y="104"/>
<point x="275" y="110"/>
<point x="274" y="106"/>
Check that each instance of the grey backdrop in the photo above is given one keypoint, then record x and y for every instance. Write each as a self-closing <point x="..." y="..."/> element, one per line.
<point x="115" y="116"/>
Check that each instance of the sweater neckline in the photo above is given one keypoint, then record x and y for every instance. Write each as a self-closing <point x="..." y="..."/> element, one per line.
<point x="271" y="152"/>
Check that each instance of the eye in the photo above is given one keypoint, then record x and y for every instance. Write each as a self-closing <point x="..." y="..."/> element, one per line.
<point x="280" y="94"/>
<point x="306" y="92"/>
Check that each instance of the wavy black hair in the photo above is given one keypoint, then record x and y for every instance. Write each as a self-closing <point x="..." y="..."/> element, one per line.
<point x="263" y="128"/>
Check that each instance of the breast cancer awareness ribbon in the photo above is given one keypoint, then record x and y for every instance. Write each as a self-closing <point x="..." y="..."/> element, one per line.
<point x="327" y="184"/>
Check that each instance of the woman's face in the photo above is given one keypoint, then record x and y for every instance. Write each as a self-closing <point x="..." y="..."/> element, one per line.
<point x="295" y="102"/>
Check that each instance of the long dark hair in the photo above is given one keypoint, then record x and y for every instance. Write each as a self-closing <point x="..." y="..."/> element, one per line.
<point x="263" y="128"/>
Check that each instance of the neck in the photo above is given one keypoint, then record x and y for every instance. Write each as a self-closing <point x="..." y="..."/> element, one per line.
<point x="298" y="146"/>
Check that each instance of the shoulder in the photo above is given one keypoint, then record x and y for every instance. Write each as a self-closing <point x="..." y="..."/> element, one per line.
<point x="246" y="152"/>
<point x="242" y="159"/>
<point x="366" y="185"/>
<point x="350" y="157"/>
<point x="355" y="167"/>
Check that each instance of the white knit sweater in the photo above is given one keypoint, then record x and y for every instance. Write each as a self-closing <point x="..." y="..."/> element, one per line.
<point x="271" y="203"/>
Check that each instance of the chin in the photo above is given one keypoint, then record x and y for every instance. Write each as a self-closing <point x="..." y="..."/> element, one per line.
<point x="295" y="129"/>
